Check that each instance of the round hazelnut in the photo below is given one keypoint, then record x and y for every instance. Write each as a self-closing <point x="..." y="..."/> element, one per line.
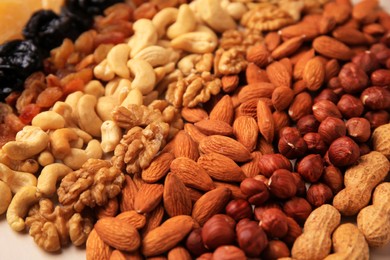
<point x="359" y="129"/>
<point x="282" y="184"/>
<point x="256" y="191"/>
<point x="364" y="149"/>
<point x="327" y="94"/>
<point x="251" y="238"/>
<point x="332" y="128"/>
<point x="376" y="98"/>
<point x="276" y="249"/>
<point x="262" y="178"/>
<point x="291" y="144"/>
<point x="333" y="178"/>
<point x="274" y="223"/>
<point x="315" y="143"/>
<point x="194" y="242"/>
<point x="299" y="183"/>
<point x="335" y="85"/>
<point x="307" y="124"/>
<point x="343" y="152"/>
<point x="294" y="231"/>
<point x="311" y="167"/>
<point x="228" y="253"/>
<point x="324" y="109"/>
<point x="380" y="77"/>
<point x="377" y="118"/>
<point x="238" y="209"/>
<point x="297" y="208"/>
<point x="218" y="230"/>
<point x="259" y="210"/>
<point x="353" y="79"/>
<point x="382" y="55"/>
<point x="350" y="106"/>
<point x="319" y="194"/>
<point x="269" y="163"/>
<point x="367" y="61"/>
<point x="205" y="256"/>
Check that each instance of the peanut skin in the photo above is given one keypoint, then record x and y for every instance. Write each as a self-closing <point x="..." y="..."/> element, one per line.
<point x="374" y="220"/>
<point x="360" y="180"/>
<point x="381" y="140"/>
<point x="315" y="242"/>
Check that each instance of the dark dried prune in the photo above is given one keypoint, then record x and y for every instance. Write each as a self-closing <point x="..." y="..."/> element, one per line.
<point x="91" y="7"/>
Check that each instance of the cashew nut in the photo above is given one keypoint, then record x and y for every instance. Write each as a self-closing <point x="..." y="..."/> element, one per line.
<point x="89" y="121"/>
<point x="49" y="176"/>
<point x="145" y="35"/>
<point x="15" y="179"/>
<point x="94" y="150"/>
<point x="117" y="58"/>
<point x="83" y="135"/>
<point x="144" y="77"/>
<point x="103" y="71"/>
<point x="133" y="97"/>
<point x="19" y="206"/>
<point x="94" y="87"/>
<point x="60" y="141"/>
<point x="186" y="22"/>
<point x="164" y="18"/>
<point x="162" y="71"/>
<point x="104" y="107"/>
<point x="79" y="143"/>
<point x="48" y="120"/>
<point x="111" y="87"/>
<point x="6" y="197"/>
<point x="235" y="9"/>
<point x="29" y="165"/>
<point x="72" y="99"/>
<point x="65" y="110"/>
<point x="111" y="136"/>
<point x="196" y="42"/>
<point x="45" y="158"/>
<point x="31" y="140"/>
<point x="123" y="89"/>
<point x="155" y="55"/>
<point x="213" y="14"/>
<point x="77" y="157"/>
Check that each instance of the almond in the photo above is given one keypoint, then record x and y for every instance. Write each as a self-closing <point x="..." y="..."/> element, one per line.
<point x="349" y="36"/>
<point x="148" y="197"/>
<point x="221" y="168"/>
<point x="265" y="121"/>
<point x="117" y="255"/>
<point x="229" y="83"/>
<point x="340" y="12"/>
<point x="255" y="91"/>
<point x="167" y="236"/>
<point x="314" y="74"/>
<point x="129" y="191"/>
<point x="194" y="194"/>
<point x="211" y="203"/>
<point x="214" y="127"/>
<point x="326" y="24"/>
<point x="259" y="55"/>
<point x="278" y="74"/>
<point x="254" y="74"/>
<point x="223" y="110"/>
<point x="251" y="169"/>
<point x="288" y="47"/>
<point x="234" y="188"/>
<point x="264" y="147"/>
<point x="194" y="132"/>
<point x="108" y="210"/>
<point x="272" y="40"/>
<point x="158" y="168"/>
<point x="185" y="146"/>
<point x="226" y="146"/>
<point x="301" y="63"/>
<point x="153" y="220"/>
<point x="281" y="119"/>
<point x="193" y="114"/>
<point x="332" y="48"/>
<point x="118" y="234"/>
<point x="300" y="106"/>
<point x="282" y="98"/>
<point x="191" y="174"/>
<point x="96" y="248"/>
<point x="288" y="64"/>
<point x="246" y="131"/>
<point x="179" y="253"/>
<point x="332" y="69"/>
<point x="300" y="29"/>
<point x="177" y="200"/>
<point x="365" y="10"/>
<point x="248" y="108"/>
<point x="374" y="28"/>
<point x="133" y="218"/>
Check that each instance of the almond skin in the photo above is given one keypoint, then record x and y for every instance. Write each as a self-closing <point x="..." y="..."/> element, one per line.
<point x="177" y="200"/>
<point x="221" y="168"/>
<point x="133" y="218"/>
<point x="179" y="253"/>
<point x="194" y="114"/>
<point x="278" y="74"/>
<point x="251" y="168"/>
<point x="148" y="197"/>
<point x="153" y="219"/>
<point x="301" y="106"/>
<point x="246" y="131"/>
<point x="288" y="47"/>
<point x="259" y="55"/>
<point x="349" y="36"/>
<point x="223" y="110"/>
<point x="282" y="98"/>
<point x="332" y="48"/>
<point x="214" y="127"/>
<point x="185" y="146"/>
<point x="254" y="74"/>
<point x="314" y="74"/>
<point x="255" y="91"/>
<point x="96" y="248"/>
<point x="129" y="191"/>
<point x="194" y="132"/>
<point x="265" y="121"/>
<point x="158" y="168"/>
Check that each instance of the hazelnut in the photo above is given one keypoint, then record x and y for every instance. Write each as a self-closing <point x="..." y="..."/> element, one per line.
<point x="332" y="128"/>
<point x="350" y="106"/>
<point x="194" y="242"/>
<point x="291" y="144"/>
<point x="376" y="98"/>
<point x="315" y="143"/>
<point x="265" y="147"/>
<point x="262" y="178"/>
<point x="380" y="77"/>
<point x="256" y="191"/>
<point x="332" y="69"/>
<point x="276" y="249"/>
<point x="238" y="209"/>
<point x="333" y="178"/>
<point x="274" y="223"/>
<point x="359" y="129"/>
<point x="282" y="184"/>
<point x="294" y="231"/>
<point x="269" y="163"/>
<point x="343" y="152"/>
<point x="311" y="167"/>
<point x="382" y="55"/>
<point x="364" y="149"/>
<point x="251" y="238"/>
<point x="325" y="108"/>
<point x="297" y="208"/>
<point x="335" y="85"/>
<point x="205" y="256"/>
<point x="377" y="118"/>
<point x="300" y="184"/>
<point x="218" y="230"/>
<point x="353" y="79"/>
<point x="327" y="94"/>
<point x="367" y="61"/>
<point x="281" y="119"/>
<point x="228" y="253"/>
<point x="307" y="124"/>
<point x="259" y="210"/>
<point x="319" y="194"/>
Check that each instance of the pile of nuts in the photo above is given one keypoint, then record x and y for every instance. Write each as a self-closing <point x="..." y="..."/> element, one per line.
<point x="223" y="142"/>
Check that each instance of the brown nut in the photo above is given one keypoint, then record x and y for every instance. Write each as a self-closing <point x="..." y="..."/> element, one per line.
<point x="376" y="98"/>
<point x="282" y="97"/>
<point x="218" y="231"/>
<point x="259" y="210"/>
<point x="300" y="184"/>
<point x="350" y="106"/>
<point x="291" y="144"/>
<point x="251" y="238"/>
<point x="294" y="231"/>
<point x="297" y="208"/>
<point x="269" y="163"/>
<point x="359" y="129"/>
<point x="367" y="61"/>
<point x="319" y="194"/>
<point x="332" y="128"/>
<point x="300" y="106"/>
<point x="327" y="94"/>
<point x="311" y="167"/>
<point x="324" y="109"/>
<point x="274" y="223"/>
<point x="353" y="79"/>
<point x="364" y="149"/>
<point x="256" y="191"/>
<point x="228" y="253"/>
<point x="315" y="143"/>
<point x="335" y="85"/>
<point x="194" y="242"/>
<point x="282" y="184"/>
<point x="307" y="124"/>
<point x="276" y="249"/>
<point x="343" y="151"/>
<point x="238" y="209"/>
<point x="259" y="55"/>
<point x="377" y="118"/>
<point x="333" y="178"/>
<point x="380" y="77"/>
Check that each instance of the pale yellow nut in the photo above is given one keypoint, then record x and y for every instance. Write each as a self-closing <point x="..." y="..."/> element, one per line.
<point x="49" y="176"/>
<point x="65" y="110"/>
<point x="105" y="106"/>
<point x="144" y="77"/>
<point x="75" y="159"/>
<point x="60" y="140"/>
<point x="111" y="87"/>
<point x="45" y="158"/>
<point x="162" y="71"/>
<point x="163" y="19"/>
<point x="94" y="87"/>
<point x="187" y="63"/>
<point x="213" y="14"/>
<point x="235" y="9"/>
<point x="86" y="137"/>
<point x="133" y="97"/>
<point x="16" y="179"/>
<point x="145" y="34"/>
<point x="103" y="71"/>
<point x="111" y="136"/>
<point x="155" y="55"/>
<point x="6" y="197"/>
<point x="48" y="120"/>
<point x="88" y="121"/>
<point x="124" y="87"/>
<point x="94" y="150"/>
<point x="185" y="22"/>
<point x="78" y="143"/>
<point x="72" y="99"/>
<point x="195" y="42"/>
<point x="117" y="59"/>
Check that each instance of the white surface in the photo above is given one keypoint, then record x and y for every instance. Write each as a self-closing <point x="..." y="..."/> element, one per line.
<point x="20" y="246"/>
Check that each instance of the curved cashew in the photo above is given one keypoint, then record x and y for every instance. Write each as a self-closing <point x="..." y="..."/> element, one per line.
<point x="196" y="42"/>
<point x="164" y="18"/>
<point x="103" y="71"/>
<point x="124" y="87"/>
<point x="45" y="158"/>
<point x="94" y="150"/>
<point x="104" y="107"/>
<point x="49" y="176"/>
<point x="72" y="99"/>
<point x="31" y="140"/>
<point x="79" y="143"/>
<point x="111" y="136"/>
<point x="15" y="179"/>
<point x="89" y="121"/>
<point x="187" y="63"/>
<point x="145" y="35"/>
<point x="77" y="157"/>
<point x="213" y="14"/>
<point x="6" y="197"/>
<point x="162" y="71"/>
<point x="65" y="110"/>
<point x="235" y="9"/>
<point x="155" y="55"/>
<point x="117" y="58"/>
<point x="111" y="87"/>
<point x="144" y="77"/>
<point x="60" y="141"/>
<point x="83" y="135"/>
<point x="133" y="97"/>
<point x="94" y="87"/>
<point x="19" y="206"/>
<point x="186" y="22"/>
<point x="29" y="165"/>
<point x="48" y="120"/>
